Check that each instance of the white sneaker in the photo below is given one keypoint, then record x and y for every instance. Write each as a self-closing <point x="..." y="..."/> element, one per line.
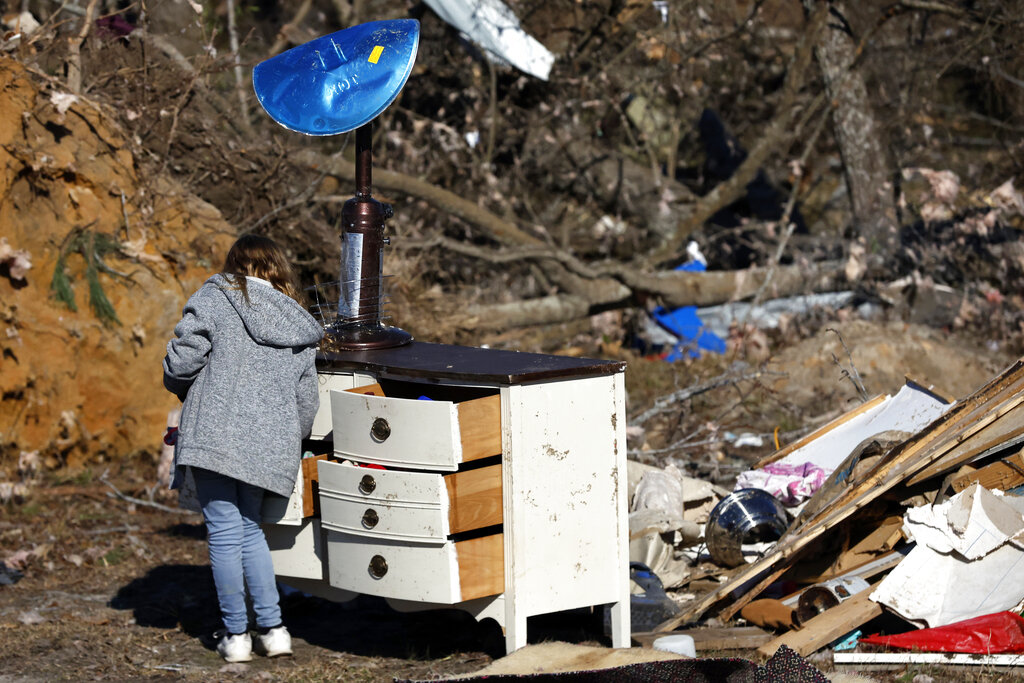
<point x="235" y="648"/>
<point x="275" y="642"/>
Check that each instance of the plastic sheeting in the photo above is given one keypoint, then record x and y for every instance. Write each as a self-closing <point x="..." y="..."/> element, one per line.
<point x="491" y="25"/>
<point x="999" y="633"/>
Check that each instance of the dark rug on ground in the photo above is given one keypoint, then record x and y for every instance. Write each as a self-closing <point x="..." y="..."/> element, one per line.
<point x="786" y="666"/>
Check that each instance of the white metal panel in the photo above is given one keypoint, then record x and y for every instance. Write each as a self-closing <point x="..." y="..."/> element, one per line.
<point x="326" y="381"/>
<point x="297" y="551"/>
<point x="565" y="494"/>
<point x="426" y="573"/>
<point x="423" y="434"/>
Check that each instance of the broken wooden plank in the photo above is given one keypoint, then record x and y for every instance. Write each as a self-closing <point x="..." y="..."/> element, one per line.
<point x="955" y="426"/>
<point x="820" y="431"/>
<point x="930" y="388"/>
<point x="1005" y="430"/>
<point x="711" y="639"/>
<point x="1003" y="475"/>
<point x="837" y="621"/>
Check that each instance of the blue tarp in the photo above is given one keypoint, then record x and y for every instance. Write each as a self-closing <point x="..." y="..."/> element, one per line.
<point x="685" y="324"/>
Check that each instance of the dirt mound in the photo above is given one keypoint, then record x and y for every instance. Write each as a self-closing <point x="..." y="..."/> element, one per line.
<point x="883" y="356"/>
<point x="114" y="252"/>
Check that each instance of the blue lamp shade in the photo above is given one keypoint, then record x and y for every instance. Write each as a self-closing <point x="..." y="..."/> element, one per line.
<point x="338" y="82"/>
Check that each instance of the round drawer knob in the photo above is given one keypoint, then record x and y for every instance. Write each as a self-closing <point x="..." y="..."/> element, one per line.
<point x="370" y="518"/>
<point x="367" y="484"/>
<point x="380" y="429"/>
<point x="378" y="566"/>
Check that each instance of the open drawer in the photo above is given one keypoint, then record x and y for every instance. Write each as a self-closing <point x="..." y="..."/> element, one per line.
<point x="422" y="507"/>
<point x="404" y="425"/>
<point x="447" y="574"/>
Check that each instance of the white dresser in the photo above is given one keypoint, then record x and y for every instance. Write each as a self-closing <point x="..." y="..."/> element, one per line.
<point x="484" y="480"/>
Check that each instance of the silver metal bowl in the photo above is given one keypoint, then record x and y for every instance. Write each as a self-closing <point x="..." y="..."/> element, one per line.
<point x="743" y="517"/>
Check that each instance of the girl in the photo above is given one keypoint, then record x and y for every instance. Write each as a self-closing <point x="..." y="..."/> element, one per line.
<point x="242" y="361"/>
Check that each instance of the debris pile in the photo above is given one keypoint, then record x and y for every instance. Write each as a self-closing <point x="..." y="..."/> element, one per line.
<point x="899" y="518"/>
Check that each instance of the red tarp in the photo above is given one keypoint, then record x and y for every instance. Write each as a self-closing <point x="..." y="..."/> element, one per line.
<point x="999" y="633"/>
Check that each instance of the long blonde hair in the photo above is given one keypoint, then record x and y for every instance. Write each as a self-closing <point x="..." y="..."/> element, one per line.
<point x="259" y="256"/>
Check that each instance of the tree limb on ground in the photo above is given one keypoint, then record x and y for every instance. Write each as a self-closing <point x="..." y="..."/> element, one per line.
<point x="587" y="288"/>
<point x="495" y="228"/>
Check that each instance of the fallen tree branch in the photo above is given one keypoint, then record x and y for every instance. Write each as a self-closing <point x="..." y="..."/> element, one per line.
<point x="496" y="228"/>
<point x="139" y="501"/>
<point x="587" y="288"/>
<point x="663" y="404"/>
<point x="75" y="50"/>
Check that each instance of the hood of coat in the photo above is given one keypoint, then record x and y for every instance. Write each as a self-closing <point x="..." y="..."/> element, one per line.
<point x="271" y="317"/>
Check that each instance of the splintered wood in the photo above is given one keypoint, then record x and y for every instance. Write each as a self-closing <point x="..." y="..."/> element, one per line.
<point x="986" y="424"/>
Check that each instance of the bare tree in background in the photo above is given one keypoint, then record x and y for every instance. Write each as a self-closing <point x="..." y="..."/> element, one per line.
<point x="866" y="163"/>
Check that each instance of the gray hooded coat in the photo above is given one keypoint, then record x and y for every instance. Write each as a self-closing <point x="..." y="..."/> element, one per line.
<point x="246" y="374"/>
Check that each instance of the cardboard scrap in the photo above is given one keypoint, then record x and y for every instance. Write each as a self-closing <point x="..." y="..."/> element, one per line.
<point x="1003" y="475"/>
<point x="714" y="639"/>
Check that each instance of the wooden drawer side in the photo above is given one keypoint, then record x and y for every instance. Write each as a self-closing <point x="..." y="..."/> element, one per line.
<point x="446" y="574"/>
<point x="310" y="485"/>
<point x="481" y="566"/>
<point x="474" y="499"/>
<point x="480" y="427"/>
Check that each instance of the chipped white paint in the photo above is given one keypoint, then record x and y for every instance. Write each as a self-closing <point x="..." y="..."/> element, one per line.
<point x="566" y="536"/>
<point x="280" y="510"/>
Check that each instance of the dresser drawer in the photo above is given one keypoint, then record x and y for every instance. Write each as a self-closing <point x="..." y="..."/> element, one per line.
<point x="409" y="432"/>
<point x="327" y="381"/>
<point x="414" y="506"/>
<point x="446" y="574"/>
<point x="379" y="486"/>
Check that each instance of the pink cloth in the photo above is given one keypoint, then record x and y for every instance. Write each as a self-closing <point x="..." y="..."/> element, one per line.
<point x="791" y="484"/>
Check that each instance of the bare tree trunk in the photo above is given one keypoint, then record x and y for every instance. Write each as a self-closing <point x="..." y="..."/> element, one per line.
<point x="866" y="164"/>
<point x="241" y="83"/>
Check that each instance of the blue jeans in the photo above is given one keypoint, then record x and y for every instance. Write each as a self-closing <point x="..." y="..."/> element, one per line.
<point x="238" y="550"/>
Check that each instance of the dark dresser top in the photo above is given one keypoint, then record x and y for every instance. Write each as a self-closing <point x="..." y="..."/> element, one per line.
<point x="466" y="364"/>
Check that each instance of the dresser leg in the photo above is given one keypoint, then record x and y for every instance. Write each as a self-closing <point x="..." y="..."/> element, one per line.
<point x="515" y="633"/>
<point x="620" y="624"/>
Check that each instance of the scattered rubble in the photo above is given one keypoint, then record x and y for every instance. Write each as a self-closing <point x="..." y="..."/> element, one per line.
<point x="902" y="514"/>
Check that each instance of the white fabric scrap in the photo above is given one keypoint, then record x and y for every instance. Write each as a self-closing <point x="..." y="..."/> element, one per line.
<point x="968" y="560"/>
<point x="495" y="28"/>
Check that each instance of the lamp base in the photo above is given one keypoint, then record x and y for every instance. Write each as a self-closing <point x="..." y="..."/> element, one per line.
<point x="360" y="337"/>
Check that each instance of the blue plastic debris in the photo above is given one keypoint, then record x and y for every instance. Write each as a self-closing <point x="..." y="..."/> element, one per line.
<point x="686" y="324"/>
<point x="847" y="642"/>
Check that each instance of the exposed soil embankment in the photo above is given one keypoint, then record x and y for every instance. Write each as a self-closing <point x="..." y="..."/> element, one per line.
<point x="114" y="252"/>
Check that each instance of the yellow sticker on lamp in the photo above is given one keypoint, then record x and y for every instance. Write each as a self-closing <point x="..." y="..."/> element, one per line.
<point x="375" y="53"/>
